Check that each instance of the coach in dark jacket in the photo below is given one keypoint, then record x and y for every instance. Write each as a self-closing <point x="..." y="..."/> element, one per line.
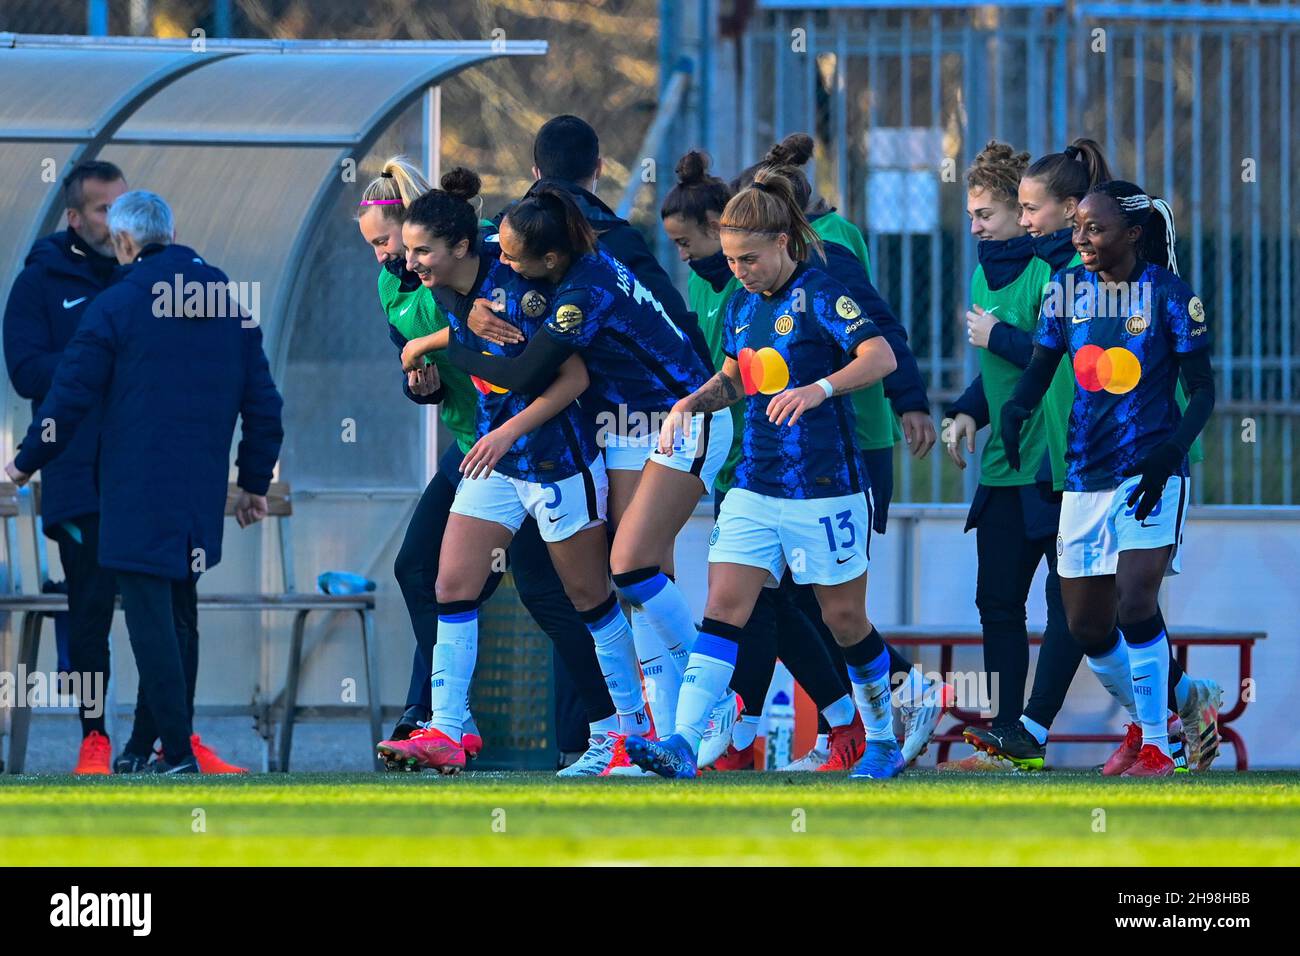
<point x="63" y="274"/>
<point x="172" y="371"/>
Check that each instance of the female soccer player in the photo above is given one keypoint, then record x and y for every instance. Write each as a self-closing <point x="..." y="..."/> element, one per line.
<point x="413" y="313"/>
<point x="1015" y="526"/>
<point x="793" y="333"/>
<point x="921" y="702"/>
<point x="1130" y="326"/>
<point x="781" y="624"/>
<point x="691" y="213"/>
<point x="877" y="430"/>
<point x="1049" y="193"/>
<point x="640" y="363"/>
<point x="533" y="457"/>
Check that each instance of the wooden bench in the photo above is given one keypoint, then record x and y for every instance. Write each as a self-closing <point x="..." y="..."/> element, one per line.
<point x="34" y="609"/>
<point x="1183" y="640"/>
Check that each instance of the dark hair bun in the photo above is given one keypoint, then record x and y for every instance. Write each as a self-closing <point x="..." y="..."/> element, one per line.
<point x="692" y="168"/>
<point x="795" y="150"/>
<point x="462" y="183"/>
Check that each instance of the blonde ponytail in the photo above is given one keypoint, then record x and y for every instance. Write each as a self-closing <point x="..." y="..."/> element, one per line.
<point x="398" y="185"/>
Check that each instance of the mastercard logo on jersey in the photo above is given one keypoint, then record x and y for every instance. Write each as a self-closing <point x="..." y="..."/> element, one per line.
<point x="486" y="387"/>
<point x="763" y="371"/>
<point x="1116" y="370"/>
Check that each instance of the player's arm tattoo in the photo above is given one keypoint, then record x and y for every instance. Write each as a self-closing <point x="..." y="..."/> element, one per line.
<point x="716" y="394"/>
<point x="848" y="389"/>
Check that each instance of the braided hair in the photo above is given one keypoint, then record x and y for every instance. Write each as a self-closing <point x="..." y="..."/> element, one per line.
<point x="1156" y="243"/>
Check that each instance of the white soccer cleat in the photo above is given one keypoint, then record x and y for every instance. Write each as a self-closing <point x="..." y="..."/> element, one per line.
<point x="1200" y="719"/>
<point x="717" y="738"/>
<point x="809" y="762"/>
<point x="921" y="720"/>
<point x="595" y="760"/>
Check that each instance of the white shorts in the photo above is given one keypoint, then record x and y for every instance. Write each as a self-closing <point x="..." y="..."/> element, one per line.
<point x="561" y="508"/>
<point x="821" y="540"/>
<point x="1097" y="525"/>
<point x="703" y="454"/>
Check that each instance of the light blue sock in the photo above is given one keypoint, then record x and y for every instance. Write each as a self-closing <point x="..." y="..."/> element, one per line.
<point x="661" y="674"/>
<point x="616" y="652"/>
<point x="667" y="612"/>
<point x="1035" y="728"/>
<point x="840" y="713"/>
<point x="453" y="668"/>
<point x="608" y="725"/>
<point x="1149" y="664"/>
<point x="871" y="694"/>
<point x="708" y="671"/>
<point x="1112" y="670"/>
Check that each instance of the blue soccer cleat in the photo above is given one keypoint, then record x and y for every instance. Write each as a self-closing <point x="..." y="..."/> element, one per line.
<point x="671" y="757"/>
<point x="882" y="760"/>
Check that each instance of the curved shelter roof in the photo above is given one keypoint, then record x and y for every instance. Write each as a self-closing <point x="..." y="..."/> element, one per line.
<point x="248" y="140"/>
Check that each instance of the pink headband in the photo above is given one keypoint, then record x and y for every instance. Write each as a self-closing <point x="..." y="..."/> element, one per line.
<point x="380" y="202"/>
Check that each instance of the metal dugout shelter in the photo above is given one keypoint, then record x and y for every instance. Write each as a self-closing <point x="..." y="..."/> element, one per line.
<point x="261" y="147"/>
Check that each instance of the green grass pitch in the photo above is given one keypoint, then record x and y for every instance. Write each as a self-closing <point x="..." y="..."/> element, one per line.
<point x="509" y="819"/>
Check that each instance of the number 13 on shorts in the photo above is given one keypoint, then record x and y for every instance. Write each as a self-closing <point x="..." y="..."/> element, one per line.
<point x="842" y="522"/>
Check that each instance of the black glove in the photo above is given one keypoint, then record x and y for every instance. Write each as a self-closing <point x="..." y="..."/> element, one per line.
<point x="1013" y="416"/>
<point x="1155" y="469"/>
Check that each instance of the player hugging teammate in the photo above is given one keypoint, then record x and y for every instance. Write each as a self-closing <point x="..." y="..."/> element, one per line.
<point x="555" y="331"/>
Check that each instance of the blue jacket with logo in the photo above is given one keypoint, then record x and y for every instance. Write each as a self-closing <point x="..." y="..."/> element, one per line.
<point x="170" y="387"/>
<point x="61" y="277"/>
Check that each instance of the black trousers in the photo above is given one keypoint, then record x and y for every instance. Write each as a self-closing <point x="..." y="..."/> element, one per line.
<point x="1008" y="560"/>
<point x="162" y="619"/>
<point x="91" y="593"/>
<point x="580" y="686"/>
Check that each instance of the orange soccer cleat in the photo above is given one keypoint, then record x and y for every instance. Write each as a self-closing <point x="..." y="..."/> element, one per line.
<point x="472" y="744"/>
<point x="1129" y="750"/>
<point x="734" y="759"/>
<point x="846" y="745"/>
<point x="95" y="756"/>
<point x="1150" y="762"/>
<point x="208" y="761"/>
<point x="426" y="748"/>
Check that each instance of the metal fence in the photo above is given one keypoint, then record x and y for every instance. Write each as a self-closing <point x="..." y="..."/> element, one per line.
<point x="1192" y="101"/>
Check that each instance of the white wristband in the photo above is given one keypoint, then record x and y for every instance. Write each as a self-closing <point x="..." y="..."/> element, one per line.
<point x="826" y="386"/>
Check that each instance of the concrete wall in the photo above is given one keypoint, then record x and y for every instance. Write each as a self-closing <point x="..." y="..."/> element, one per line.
<point x="1239" y="571"/>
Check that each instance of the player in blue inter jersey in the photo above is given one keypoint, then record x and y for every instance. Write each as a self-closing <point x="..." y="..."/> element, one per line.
<point x="535" y="455"/>
<point x="640" y="364"/>
<point x="1131" y="327"/>
<point x="796" y="343"/>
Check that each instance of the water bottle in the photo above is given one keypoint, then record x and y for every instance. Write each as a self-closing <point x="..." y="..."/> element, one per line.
<point x="343" y="582"/>
<point x="780" y="731"/>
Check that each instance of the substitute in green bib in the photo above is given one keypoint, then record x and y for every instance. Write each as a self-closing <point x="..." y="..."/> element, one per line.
<point x="411" y="314"/>
<point x="1015" y="523"/>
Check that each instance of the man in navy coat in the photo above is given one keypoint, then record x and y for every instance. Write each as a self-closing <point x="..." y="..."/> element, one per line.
<point x="63" y="274"/>
<point x="170" y="360"/>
